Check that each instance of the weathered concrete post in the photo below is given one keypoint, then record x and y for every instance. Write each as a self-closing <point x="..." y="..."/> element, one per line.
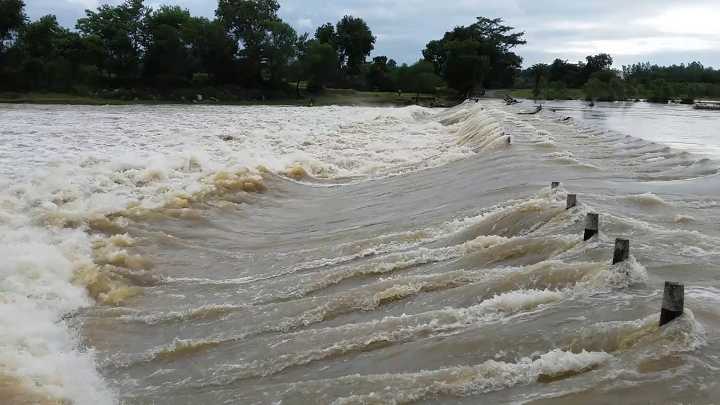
<point x="592" y="225"/>
<point x="673" y="302"/>
<point x="571" y="201"/>
<point x="554" y="185"/>
<point x="622" y="250"/>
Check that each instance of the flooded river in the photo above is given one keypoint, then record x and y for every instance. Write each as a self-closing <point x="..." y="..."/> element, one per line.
<point x="356" y="255"/>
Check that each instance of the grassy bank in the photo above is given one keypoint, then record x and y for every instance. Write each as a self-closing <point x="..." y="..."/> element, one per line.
<point x="57" y="98"/>
<point x="578" y="94"/>
<point x="569" y="94"/>
<point x="328" y="97"/>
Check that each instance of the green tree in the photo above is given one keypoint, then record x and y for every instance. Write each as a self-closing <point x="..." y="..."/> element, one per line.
<point x="557" y="91"/>
<point x="297" y="67"/>
<point x="84" y="54"/>
<point x="659" y="91"/>
<point x="596" y="63"/>
<point x="568" y="73"/>
<point x="120" y="29"/>
<point x="280" y="49"/>
<point x="355" y="41"/>
<point x="41" y="38"/>
<point x="661" y="83"/>
<point x="40" y="43"/>
<point x="379" y="76"/>
<point x="320" y="63"/>
<point x="418" y="78"/>
<point x="594" y="89"/>
<point x="249" y="22"/>
<point x="605" y="85"/>
<point x="214" y="50"/>
<point x="466" y="66"/>
<point x="478" y="55"/>
<point x="617" y="89"/>
<point x="325" y="34"/>
<point x="423" y="78"/>
<point x="12" y="18"/>
<point x="168" y="46"/>
<point x="539" y="72"/>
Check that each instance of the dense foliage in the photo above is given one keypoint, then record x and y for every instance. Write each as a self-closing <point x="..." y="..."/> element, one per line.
<point x="599" y="81"/>
<point x="477" y="56"/>
<point x="132" y="50"/>
<point x="141" y="52"/>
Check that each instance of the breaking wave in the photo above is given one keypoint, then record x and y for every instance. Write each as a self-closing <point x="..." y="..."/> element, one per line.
<point x="79" y="227"/>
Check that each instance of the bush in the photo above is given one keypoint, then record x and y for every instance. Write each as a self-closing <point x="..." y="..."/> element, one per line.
<point x="557" y="91"/>
<point x="81" y="90"/>
<point x="200" y="79"/>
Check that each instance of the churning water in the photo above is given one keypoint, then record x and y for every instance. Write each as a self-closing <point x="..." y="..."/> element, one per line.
<point x="264" y="255"/>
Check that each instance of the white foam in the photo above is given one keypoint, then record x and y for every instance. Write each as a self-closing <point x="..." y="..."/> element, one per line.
<point x="149" y="155"/>
<point x="327" y="342"/>
<point x="35" y="346"/>
<point x="465" y="381"/>
<point x="647" y="199"/>
<point x="98" y="160"/>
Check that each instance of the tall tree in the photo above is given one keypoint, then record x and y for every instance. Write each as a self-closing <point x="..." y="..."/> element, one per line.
<point x="41" y="38"/>
<point x="379" y="75"/>
<point x="325" y="34"/>
<point x="51" y="55"/>
<point x="319" y="64"/>
<point x="539" y="73"/>
<point x="214" y="50"/>
<point x="355" y="41"/>
<point x="12" y="17"/>
<point x="120" y="29"/>
<point x="168" y="45"/>
<point x="423" y="78"/>
<point x="418" y="78"/>
<point x="568" y="73"/>
<point x="249" y="22"/>
<point x="477" y="55"/>
<point x="84" y="54"/>
<point x="596" y="63"/>
<point x="467" y="65"/>
<point x="297" y="67"/>
<point x="280" y="49"/>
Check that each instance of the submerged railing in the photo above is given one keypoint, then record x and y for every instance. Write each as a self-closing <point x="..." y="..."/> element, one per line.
<point x="673" y="302"/>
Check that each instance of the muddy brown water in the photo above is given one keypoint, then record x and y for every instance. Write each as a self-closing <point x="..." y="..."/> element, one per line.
<point x="437" y="269"/>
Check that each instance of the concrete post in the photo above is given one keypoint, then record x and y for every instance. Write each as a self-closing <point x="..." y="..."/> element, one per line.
<point x="673" y="302"/>
<point x="571" y="201"/>
<point x="592" y="225"/>
<point x="622" y="250"/>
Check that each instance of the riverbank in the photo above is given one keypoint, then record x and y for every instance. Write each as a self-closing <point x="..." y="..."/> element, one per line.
<point x="569" y="94"/>
<point x="579" y="95"/>
<point x="344" y="97"/>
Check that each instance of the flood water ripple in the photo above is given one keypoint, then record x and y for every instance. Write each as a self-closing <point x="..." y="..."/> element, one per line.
<point x="356" y="255"/>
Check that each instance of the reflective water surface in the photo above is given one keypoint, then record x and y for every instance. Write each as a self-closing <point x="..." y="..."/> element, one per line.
<point x="676" y="125"/>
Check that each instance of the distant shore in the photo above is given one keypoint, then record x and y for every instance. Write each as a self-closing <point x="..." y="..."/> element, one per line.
<point x="329" y="97"/>
<point x="341" y="97"/>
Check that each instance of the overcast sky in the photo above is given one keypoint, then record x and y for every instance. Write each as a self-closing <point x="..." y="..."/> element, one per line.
<point x="658" y="31"/>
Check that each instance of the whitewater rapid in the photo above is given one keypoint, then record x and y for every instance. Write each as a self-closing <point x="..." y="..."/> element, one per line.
<point x="175" y="254"/>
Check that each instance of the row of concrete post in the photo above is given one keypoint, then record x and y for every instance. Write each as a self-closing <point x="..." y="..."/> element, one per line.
<point x="674" y="293"/>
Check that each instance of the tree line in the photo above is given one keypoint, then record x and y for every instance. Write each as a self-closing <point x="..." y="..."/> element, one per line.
<point x="246" y="47"/>
<point x="599" y="81"/>
<point x="132" y="50"/>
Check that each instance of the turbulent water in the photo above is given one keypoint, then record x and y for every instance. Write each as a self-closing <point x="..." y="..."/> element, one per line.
<point x="347" y="255"/>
